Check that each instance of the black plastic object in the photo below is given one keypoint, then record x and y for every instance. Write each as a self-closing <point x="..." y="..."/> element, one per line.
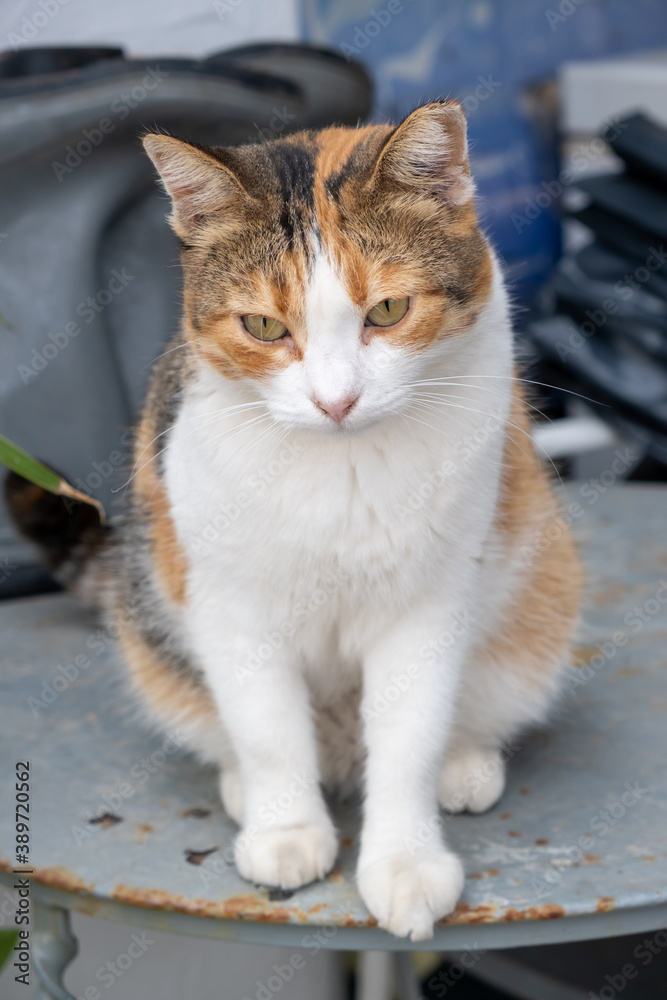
<point x="62" y="69"/>
<point x="618" y="233"/>
<point x="620" y="373"/>
<point x="630" y="198"/>
<point x="330" y="84"/>
<point x="642" y="143"/>
<point x="601" y="326"/>
<point x="46" y="61"/>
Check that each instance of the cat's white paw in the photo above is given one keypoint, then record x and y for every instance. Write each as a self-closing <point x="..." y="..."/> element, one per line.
<point x="231" y="793"/>
<point x="288" y="856"/>
<point x="407" y="893"/>
<point x="472" y="780"/>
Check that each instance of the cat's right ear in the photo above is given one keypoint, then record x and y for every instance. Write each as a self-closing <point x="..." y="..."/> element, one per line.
<point x="196" y="182"/>
<point x="428" y="153"/>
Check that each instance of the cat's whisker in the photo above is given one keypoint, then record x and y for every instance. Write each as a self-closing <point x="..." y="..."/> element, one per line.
<point x="513" y="378"/>
<point x="243" y="450"/>
<point x="232" y="432"/>
<point x="526" y="407"/>
<point x="204" y="421"/>
<point x="208" y="418"/>
<point x="507" y="423"/>
<point x="179" y="347"/>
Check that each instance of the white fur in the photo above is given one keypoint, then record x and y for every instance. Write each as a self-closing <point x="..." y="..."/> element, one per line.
<point x="330" y="577"/>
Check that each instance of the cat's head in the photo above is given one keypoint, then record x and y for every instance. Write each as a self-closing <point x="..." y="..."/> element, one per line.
<point x="329" y="268"/>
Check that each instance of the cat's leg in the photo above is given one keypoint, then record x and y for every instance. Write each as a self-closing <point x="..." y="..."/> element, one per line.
<point x="512" y="676"/>
<point x="287" y="837"/>
<point x="406" y="875"/>
<point x="506" y="688"/>
<point x="472" y="773"/>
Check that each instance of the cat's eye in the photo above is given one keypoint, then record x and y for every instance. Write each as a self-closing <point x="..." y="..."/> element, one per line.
<point x="388" y="312"/>
<point x="264" y="327"/>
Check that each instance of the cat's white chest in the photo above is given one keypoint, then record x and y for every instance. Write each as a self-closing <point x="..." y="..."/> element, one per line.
<point x="363" y="520"/>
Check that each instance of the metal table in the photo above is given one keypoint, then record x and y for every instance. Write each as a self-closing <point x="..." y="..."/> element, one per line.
<point x="126" y="826"/>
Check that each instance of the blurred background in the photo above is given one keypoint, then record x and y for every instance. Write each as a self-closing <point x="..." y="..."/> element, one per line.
<point x="567" y="108"/>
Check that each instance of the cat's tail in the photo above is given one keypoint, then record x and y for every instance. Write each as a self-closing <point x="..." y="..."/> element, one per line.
<point x="69" y="537"/>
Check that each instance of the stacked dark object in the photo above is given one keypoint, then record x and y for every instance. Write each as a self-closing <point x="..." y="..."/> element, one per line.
<point x="600" y="327"/>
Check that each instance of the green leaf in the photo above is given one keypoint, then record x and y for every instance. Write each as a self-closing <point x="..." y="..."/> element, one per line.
<point x="20" y="461"/>
<point x="7" y="940"/>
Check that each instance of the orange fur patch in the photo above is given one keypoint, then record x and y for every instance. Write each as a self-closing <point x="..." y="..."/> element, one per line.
<point x="169" y="558"/>
<point x="537" y="631"/>
<point x="176" y="698"/>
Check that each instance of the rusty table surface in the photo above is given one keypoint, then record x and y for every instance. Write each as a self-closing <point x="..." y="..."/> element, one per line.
<point x="127" y="826"/>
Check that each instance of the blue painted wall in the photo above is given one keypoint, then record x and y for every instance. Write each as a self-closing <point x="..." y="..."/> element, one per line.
<point x="485" y="53"/>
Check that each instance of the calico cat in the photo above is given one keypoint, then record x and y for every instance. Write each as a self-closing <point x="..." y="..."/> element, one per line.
<point x="341" y="562"/>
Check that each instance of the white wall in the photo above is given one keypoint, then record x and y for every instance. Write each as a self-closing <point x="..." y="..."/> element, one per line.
<point x="147" y="27"/>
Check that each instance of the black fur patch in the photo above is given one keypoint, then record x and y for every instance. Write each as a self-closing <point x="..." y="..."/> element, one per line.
<point x="294" y="167"/>
<point x="358" y="166"/>
<point x="63" y="530"/>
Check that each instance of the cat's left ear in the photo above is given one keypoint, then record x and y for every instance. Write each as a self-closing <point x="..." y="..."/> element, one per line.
<point x="197" y="183"/>
<point x="429" y="151"/>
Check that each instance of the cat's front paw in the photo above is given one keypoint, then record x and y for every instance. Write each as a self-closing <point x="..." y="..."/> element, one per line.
<point x="288" y="856"/>
<point x="472" y="780"/>
<point x="407" y="893"/>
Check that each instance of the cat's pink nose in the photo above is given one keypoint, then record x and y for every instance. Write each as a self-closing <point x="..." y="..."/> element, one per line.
<point x="339" y="410"/>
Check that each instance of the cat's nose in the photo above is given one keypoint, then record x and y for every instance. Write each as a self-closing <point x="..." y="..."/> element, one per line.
<point x="338" y="410"/>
